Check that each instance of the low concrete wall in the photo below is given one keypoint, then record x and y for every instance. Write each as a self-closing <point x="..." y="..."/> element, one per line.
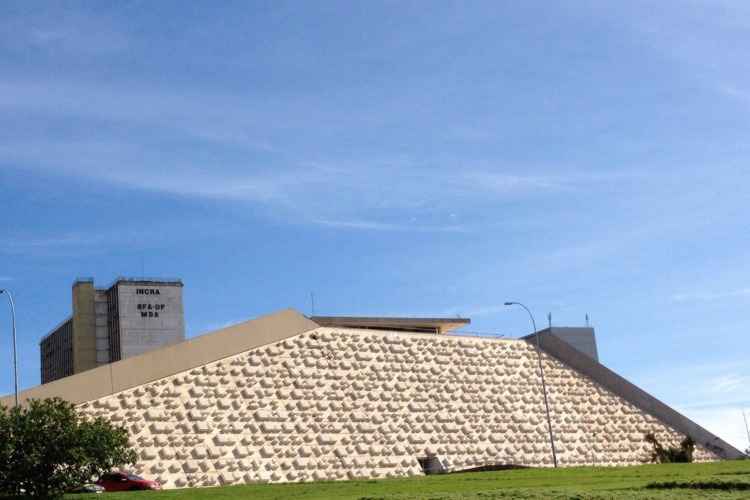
<point x="608" y="379"/>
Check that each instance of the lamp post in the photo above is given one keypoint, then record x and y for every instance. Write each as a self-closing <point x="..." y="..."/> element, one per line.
<point x="13" y="325"/>
<point x="544" y="385"/>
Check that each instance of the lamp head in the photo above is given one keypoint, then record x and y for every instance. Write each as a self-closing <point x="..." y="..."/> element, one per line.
<point x="509" y="303"/>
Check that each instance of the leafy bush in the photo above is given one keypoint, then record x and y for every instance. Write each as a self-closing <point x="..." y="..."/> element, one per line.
<point x="671" y="454"/>
<point x="46" y="448"/>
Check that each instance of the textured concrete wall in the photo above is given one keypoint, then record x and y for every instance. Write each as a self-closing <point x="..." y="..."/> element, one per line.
<point x="338" y="404"/>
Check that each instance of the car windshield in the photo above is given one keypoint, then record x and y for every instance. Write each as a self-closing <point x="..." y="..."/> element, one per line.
<point x="133" y="477"/>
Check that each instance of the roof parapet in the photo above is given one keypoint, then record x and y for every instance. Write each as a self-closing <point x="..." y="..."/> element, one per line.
<point x="402" y="324"/>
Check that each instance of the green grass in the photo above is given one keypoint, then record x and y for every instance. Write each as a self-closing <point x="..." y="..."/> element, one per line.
<point x="721" y="480"/>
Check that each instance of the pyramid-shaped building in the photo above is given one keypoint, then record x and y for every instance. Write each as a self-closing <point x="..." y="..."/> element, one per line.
<point x="284" y="398"/>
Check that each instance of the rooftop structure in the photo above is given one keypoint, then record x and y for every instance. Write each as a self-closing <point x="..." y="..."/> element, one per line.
<point x="417" y="325"/>
<point x="582" y="338"/>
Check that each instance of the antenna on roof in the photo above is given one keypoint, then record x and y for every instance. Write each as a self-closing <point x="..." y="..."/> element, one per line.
<point x="587" y="320"/>
<point x="549" y="321"/>
<point x="312" y="303"/>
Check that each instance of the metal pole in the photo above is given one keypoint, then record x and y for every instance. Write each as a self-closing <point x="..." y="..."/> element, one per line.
<point x="13" y="325"/>
<point x="747" y="429"/>
<point x="541" y="372"/>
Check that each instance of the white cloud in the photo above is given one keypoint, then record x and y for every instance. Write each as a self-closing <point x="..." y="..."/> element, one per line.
<point x="503" y="183"/>
<point x="725" y="422"/>
<point x="77" y="243"/>
<point x="729" y="382"/>
<point x="717" y="395"/>
<point x="384" y="226"/>
<point x="734" y="93"/>
<point x="370" y="194"/>
<point x="27" y="245"/>
<point x="704" y="296"/>
<point x="68" y="31"/>
<point x="476" y="310"/>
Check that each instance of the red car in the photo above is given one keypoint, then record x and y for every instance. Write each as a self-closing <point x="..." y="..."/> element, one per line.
<point x="119" y="481"/>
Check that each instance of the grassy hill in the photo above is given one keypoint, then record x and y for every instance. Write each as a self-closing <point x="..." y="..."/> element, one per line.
<point x="721" y="480"/>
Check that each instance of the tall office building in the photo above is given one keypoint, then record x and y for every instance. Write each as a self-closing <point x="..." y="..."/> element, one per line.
<point x="130" y="317"/>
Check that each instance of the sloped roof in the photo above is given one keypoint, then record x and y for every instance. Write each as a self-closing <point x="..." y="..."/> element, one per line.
<point x="558" y="348"/>
<point x="159" y="363"/>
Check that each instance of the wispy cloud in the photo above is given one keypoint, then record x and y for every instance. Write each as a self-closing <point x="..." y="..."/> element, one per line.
<point x="476" y="311"/>
<point x="356" y="194"/>
<point x="725" y="422"/>
<point x="714" y="404"/>
<point x="75" y="243"/>
<point x="6" y="278"/>
<point x="718" y="393"/>
<point x="33" y="244"/>
<point x="729" y="382"/>
<point x="734" y="92"/>
<point x="705" y="296"/>
<point x="504" y="183"/>
<point x="384" y="226"/>
<point x="68" y="31"/>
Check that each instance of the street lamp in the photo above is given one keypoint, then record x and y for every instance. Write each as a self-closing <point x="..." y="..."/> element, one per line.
<point x="13" y="323"/>
<point x="544" y="385"/>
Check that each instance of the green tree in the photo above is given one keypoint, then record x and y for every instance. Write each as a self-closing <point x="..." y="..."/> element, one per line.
<point x="47" y="448"/>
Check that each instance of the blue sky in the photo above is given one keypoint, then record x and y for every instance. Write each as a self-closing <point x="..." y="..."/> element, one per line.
<point x="395" y="158"/>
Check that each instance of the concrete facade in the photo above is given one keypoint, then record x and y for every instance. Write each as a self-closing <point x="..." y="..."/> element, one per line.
<point x="282" y="399"/>
<point x="84" y="326"/>
<point x="128" y="318"/>
<point x="56" y="352"/>
<point x="150" y="315"/>
<point x="581" y="338"/>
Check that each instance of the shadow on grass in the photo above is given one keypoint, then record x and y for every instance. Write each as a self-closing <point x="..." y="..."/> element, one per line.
<point x="701" y="485"/>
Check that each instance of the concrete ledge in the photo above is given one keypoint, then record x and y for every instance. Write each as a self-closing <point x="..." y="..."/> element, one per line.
<point x="608" y="379"/>
<point x="160" y="363"/>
